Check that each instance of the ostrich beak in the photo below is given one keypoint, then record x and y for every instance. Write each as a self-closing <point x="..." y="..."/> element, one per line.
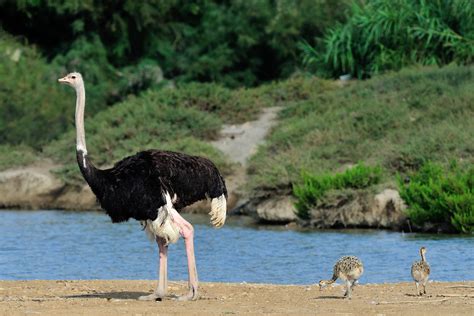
<point x="62" y="80"/>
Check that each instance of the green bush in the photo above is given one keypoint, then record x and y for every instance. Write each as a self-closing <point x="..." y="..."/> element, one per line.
<point x="314" y="187"/>
<point x="440" y="195"/>
<point x="388" y="35"/>
<point x="15" y="156"/>
<point x="32" y="107"/>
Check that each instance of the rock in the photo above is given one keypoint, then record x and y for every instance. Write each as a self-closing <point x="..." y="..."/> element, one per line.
<point x="341" y="209"/>
<point x="384" y="210"/>
<point x="73" y="198"/>
<point x="278" y="210"/>
<point x="275" y="209"/>
<point x="389" y="208"/>
<point x="28" y="188"/>
<point x="204" y="206"/>
<point x="36" y="187"/>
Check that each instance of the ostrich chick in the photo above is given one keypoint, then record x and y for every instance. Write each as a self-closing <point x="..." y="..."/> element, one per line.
<point x="420" y="271"/>
<point x="349" y="269"/>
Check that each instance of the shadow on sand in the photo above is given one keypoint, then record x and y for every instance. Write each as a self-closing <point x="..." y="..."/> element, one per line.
<point x="109" y="295"/>
<point x="329" y="297"/>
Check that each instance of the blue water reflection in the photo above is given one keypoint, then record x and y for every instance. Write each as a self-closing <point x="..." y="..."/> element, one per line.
<point x="85" y="245"/>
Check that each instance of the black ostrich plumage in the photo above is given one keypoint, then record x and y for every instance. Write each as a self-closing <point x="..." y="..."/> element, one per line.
<point x="134" y="187"/>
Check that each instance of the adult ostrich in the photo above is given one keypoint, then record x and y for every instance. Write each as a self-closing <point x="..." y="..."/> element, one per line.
<point x="151" y="186"/>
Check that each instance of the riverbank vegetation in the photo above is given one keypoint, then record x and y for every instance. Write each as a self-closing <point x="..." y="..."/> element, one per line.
<point x="397" y="121"/>
<point x="314" y="187"/>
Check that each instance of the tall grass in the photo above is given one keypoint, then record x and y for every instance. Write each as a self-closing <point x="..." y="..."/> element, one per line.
<point x="385" y="35"/>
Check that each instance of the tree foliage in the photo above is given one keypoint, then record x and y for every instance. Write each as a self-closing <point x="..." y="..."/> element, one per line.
<point x="125" y="47"/>
<point x="234" y="43"/>
<point x="390" y="34"/>
<point x="31" y="102"/>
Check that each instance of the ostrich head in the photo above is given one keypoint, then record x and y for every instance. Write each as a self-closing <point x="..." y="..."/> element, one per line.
<point x="323" y="284"/>
<point x="74" y="79"/>
<point x="422" y="253"/>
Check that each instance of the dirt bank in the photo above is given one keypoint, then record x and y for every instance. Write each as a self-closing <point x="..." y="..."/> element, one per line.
<point x="119" y="298"/>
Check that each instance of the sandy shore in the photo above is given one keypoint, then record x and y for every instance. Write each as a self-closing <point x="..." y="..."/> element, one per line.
<point x="106" y="297"/>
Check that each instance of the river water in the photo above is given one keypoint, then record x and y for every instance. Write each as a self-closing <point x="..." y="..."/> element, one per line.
<point x="86" y="245"/>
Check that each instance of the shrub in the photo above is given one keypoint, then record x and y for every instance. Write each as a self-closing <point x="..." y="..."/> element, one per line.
<point x="32" y="107"/>
<point x="388" y="35"/>
<point x="314" y="187"/>
<point x="441" y="195"/>
<point x="14" y="156"/>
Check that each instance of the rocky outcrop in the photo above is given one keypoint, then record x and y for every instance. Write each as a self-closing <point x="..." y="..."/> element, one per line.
<point x="384" y="210"/>
<point x="28" y="187"/>
<point x="36" y="187"/>
<point x="274" y="209"/>
<point x="358" y="209"/>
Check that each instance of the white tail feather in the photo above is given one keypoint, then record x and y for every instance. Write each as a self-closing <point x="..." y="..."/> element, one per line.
<point x="218" y="211"/>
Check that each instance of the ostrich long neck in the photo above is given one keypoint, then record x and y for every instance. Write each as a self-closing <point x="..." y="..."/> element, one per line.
<point x="92" y="175"/>
<point x="80" y="133"/>
<point x="423" y="258"/>
<point x="333" y="279"/>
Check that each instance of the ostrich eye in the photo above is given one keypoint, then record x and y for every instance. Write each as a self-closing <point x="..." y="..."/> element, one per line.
<point x="73" y="77"/>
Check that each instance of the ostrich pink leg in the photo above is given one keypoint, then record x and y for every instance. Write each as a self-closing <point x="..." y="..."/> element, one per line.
<point x="163" y="275"/>
<point x="187" y="231"/>
<point x="160" y="292"/>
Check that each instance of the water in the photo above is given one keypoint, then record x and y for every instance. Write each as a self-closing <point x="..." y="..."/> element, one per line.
<point x="85" y="245"/>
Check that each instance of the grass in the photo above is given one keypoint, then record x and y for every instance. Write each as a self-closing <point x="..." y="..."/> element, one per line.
<point x="16" y="156"/>
<point x="396" y="121"/>
<point x="243" y="104"/>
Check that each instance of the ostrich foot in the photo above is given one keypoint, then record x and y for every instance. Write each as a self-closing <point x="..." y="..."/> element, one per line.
<point x="191" y="296"/>
<point x="152" y="297"/>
